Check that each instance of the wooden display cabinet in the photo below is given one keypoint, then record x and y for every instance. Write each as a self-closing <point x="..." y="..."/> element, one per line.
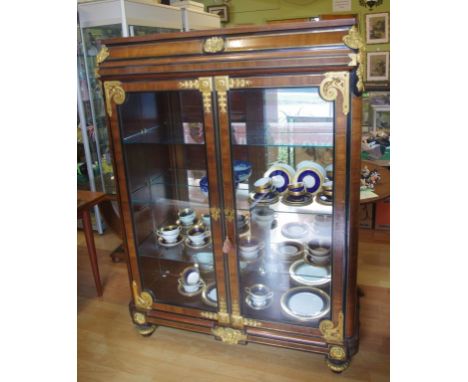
<point x="278" y="100"/>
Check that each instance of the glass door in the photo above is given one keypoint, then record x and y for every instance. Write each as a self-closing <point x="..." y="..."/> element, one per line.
<point x="281" y="135"/>
<point x="166" y="136"/>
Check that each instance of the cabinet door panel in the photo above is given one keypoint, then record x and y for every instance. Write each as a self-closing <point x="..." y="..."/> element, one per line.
<point x="163" y="132"/>
<point x="286" y="257"/>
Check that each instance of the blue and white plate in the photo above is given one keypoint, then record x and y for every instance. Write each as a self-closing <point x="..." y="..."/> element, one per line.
<point x="242" y="170"/>
<point x="281" y="175"/>
<point x="311" y="177"/>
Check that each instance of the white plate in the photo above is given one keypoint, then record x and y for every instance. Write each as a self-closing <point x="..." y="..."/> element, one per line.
<point x="295" y="230"/>
<point x="308" y="274"/>
<point x="210" y="295"/>
<point x="305" y="303"/>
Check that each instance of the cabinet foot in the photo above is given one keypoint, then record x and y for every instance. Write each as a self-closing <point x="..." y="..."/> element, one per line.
<point x="146" y="329"/>
<point x="337" y="366"/>
<point x="337" y="359"/>
<point x="139" y="320"/>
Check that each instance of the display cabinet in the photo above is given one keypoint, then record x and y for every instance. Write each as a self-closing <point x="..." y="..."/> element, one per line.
<point x="237" y="156"/>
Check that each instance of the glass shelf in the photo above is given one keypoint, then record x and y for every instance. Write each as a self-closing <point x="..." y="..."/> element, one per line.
<point x="296" y="134"/>
<point x="184" y="133"/>
<point x="192" y="176"/>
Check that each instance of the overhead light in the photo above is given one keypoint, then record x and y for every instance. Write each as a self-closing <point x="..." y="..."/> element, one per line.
<point x="370" y="3"/>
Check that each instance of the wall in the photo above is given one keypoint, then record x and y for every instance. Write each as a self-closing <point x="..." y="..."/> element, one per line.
<point x="242" y="12"/>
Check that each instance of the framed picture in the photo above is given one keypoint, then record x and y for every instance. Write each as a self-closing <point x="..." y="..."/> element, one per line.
<point x="220" y="10"/>
<point x="378" y="66"/>
<point x="381" y="119"/>
<point x="377" y="28"/>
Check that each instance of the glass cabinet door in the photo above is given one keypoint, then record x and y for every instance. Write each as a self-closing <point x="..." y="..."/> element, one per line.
<point x="282" y="146"/>
<point x="163" y="139"/>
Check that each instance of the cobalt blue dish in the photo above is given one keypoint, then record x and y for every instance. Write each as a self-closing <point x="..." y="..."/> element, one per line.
<point x="313" y="174"/>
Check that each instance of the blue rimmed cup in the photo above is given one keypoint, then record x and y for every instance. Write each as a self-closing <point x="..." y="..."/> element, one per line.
<point x="296" y="189"/>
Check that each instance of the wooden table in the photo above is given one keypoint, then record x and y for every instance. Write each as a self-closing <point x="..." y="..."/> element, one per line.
<point x="382" y="189"/>
<point x="86" y="201"/>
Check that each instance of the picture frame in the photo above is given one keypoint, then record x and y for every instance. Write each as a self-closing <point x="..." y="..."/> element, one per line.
<point x="381" y="118"/>
<point x="377" y="28"/>
<point x="377" y="67"/>
<point x="220" y="10"/>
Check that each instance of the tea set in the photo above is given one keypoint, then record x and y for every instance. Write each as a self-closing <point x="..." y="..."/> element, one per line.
<point x="194" y="232"/>
<point x="295" y="187"/>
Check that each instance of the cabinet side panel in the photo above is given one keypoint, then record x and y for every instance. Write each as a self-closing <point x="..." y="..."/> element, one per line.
<point x="353" y="224"/>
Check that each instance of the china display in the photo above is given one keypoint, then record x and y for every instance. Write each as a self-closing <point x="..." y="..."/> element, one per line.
<point x="237" y="163"/>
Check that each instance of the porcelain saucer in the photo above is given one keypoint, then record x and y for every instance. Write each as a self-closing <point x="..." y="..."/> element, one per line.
<point x="248" y="301"/>
<point x="190" y="244"/>
<point x="201" y="287"/>
<point x="164" y="243"/>
<point x="304" y="200"/>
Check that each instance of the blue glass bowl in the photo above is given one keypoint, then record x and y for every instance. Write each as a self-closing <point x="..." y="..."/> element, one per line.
<point x="242" y="170"/>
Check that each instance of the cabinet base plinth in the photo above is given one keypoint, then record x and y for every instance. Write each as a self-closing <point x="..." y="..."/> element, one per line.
<point x="337" y="366"/>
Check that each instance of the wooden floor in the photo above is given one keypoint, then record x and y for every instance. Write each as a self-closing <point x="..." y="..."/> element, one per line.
<point x="109" y="349"/>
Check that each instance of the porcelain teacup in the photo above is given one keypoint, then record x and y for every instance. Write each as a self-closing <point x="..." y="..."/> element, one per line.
<point x="206" y="219"/>
<point x="169" y="233"/>
<point x="190" y="279"/>
<point x="263" y="185"/>
<point x="259" y="294"/>
<point x="295" y="188"/>
<point x="319" y="248"/>
<point x="249" y="248"/>
<point x="186" y="216"/>
<point x="190" y="276"/>
<point x="197" y="234"/>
